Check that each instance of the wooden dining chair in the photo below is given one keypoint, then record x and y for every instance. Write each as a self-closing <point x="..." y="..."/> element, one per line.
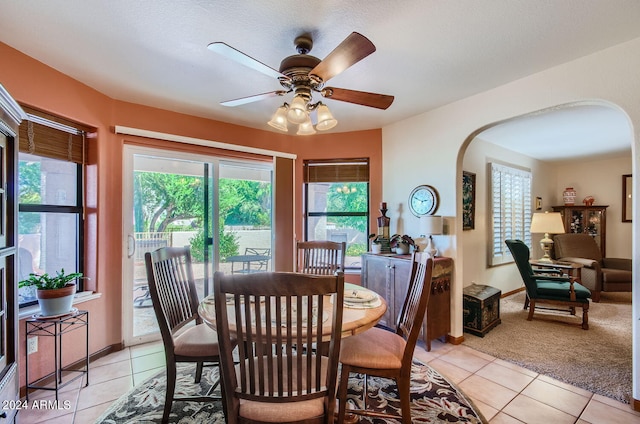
<point x="278" y="319"/>
<point x="320" y="257"/>
<point x="175" y="303"/>
<point x="383" y="353"/>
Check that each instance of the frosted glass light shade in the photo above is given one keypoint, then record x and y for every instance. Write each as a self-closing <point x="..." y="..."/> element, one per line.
<point x="326" y="121"/>
<point x="279" y="119"/>
<point x="306" y="128"/>
<point x="297" y="113"/>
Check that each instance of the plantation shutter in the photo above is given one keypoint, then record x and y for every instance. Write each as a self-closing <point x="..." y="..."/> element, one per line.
<point x="510" y="209"/>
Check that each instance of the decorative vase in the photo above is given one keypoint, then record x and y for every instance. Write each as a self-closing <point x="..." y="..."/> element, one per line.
<point x="383" y="221"/>
<point x="56" y="301"/>
<point x="569" y="196"/>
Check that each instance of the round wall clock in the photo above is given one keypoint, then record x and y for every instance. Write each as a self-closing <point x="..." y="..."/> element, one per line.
<point x="423" y="200"/>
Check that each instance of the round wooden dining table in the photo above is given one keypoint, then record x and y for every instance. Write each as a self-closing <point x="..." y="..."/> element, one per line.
<point x="357" y="316"/>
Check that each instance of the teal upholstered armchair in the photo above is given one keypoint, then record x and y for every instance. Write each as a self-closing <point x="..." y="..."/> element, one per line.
<point x="561" y="291"/>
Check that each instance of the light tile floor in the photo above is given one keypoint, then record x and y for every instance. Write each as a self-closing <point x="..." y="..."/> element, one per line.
<point x="504" y="393"/>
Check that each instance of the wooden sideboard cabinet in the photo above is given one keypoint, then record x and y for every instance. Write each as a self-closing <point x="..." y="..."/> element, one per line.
<point x="590" y="220"/>
<point x="388" y="275"/>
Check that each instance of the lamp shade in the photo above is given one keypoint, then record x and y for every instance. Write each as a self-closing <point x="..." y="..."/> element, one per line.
<point x="548" y="222"/>
<point x="326" y="121"/>
<point x="306" y="128"/>
<point x="430" y="225"/>
<point x="297" y="113"/>
<point x="279" y="119"/>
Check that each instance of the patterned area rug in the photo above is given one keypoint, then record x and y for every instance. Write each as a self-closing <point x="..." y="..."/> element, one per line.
<point x="434" y="400"/>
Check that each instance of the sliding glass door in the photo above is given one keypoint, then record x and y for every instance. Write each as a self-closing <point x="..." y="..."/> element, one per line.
<point x="219" y="208"/>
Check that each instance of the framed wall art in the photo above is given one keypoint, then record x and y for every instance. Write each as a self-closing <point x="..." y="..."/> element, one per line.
<point x="538" y="203"/>
<point x="468" y="200"/>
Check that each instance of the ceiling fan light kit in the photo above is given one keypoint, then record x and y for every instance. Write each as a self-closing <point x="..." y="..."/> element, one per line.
<point x="297" y="113"/>
<point x="279" y="119"/>
<point x="306" y="128"/>
<point x="303" y="75"/>
<point x="326" y="121"/>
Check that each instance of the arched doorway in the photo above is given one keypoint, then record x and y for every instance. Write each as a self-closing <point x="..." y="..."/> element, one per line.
<point x="475" y="264"/>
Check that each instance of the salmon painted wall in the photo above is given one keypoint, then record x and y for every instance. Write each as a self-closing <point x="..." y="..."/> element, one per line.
<point x="35" y="84"/>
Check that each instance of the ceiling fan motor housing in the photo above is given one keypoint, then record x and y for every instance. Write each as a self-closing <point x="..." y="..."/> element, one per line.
<point x="297" y="68"/>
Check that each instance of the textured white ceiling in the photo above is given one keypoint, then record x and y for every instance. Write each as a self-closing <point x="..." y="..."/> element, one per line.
<point x="429" y="52"/>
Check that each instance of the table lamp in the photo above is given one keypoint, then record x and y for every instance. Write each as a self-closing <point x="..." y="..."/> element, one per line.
<point x="430" y="225"/>
<point x="547" y="223"/>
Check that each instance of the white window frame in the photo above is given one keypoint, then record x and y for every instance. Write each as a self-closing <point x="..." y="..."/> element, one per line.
<point x="510" y="210"/>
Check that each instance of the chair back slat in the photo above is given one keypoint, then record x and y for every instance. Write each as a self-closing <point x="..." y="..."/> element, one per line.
<point x="172" y="289"/>
<point x="416" y="300"/>
<point x="320" y="257"/>
<point x="279" y="331"/>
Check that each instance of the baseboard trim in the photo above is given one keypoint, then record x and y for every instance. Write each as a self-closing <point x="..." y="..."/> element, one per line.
<point x="78" y="364"/>
<point x="512" y="292"/>
<point x="636" y="405"/>
<point x="455" y="340"/>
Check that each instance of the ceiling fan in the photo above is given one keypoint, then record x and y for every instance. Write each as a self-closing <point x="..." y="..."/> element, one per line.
<point x="305" y="75"/>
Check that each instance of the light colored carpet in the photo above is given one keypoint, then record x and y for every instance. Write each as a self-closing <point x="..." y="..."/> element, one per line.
<point x="598" y="359"/>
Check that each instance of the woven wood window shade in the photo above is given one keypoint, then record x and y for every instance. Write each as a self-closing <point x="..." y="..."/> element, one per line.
<point x="48" y="140"/>
<point x="336" y="171"/>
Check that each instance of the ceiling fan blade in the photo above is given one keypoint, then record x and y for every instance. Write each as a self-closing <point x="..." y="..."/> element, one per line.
<point x="243" y="59"/>
<point x="379" y="101"/>
<point x="254" y="98"/>
<point x="353" y="49"/>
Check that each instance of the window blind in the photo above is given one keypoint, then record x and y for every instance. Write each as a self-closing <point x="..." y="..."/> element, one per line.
<point x="336" y="171"/>
<point x="51" y="136"/>
<point x="510" y="209"/>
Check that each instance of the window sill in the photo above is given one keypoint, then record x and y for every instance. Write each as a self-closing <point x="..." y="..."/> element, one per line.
<point x="80" y="297"/>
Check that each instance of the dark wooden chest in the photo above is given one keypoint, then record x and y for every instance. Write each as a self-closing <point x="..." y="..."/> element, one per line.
<point x="481" y="309"/>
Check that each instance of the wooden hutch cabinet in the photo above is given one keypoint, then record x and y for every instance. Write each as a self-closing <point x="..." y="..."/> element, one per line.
<point x="590" y="220"/>
<point x="388" y="275"/>
<point x="10" y="117"/>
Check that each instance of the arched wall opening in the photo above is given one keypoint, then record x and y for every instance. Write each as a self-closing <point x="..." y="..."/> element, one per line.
<point x="470" y="244"/>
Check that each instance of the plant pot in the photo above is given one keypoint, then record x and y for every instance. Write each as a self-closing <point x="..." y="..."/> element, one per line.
<point x="402" y="249"/>
<point x="56" y="301"/>
<point x="376" y="248"/>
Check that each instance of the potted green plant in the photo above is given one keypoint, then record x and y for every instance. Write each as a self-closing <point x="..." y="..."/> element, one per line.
<point x="54" y="292"/>
<point x="401" y="243"/>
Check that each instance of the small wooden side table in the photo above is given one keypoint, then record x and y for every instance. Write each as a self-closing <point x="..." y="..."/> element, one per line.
<point x="573" y="269"/>
<point x="56" y="327"/>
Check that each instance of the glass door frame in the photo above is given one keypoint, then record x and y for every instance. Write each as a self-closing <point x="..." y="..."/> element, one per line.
<point x="211" y="222"/>
<point x="210" y="200"/>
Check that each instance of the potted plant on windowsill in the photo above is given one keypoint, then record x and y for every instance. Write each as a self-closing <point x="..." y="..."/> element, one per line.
<point x="402" y="243"/>
<point x="54" y="292"/>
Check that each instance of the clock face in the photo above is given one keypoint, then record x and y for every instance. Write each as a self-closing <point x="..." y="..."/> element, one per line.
<point x="423" y="200"/>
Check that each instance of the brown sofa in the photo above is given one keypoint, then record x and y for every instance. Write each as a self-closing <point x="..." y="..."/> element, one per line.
<point x="598" y="273"/>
